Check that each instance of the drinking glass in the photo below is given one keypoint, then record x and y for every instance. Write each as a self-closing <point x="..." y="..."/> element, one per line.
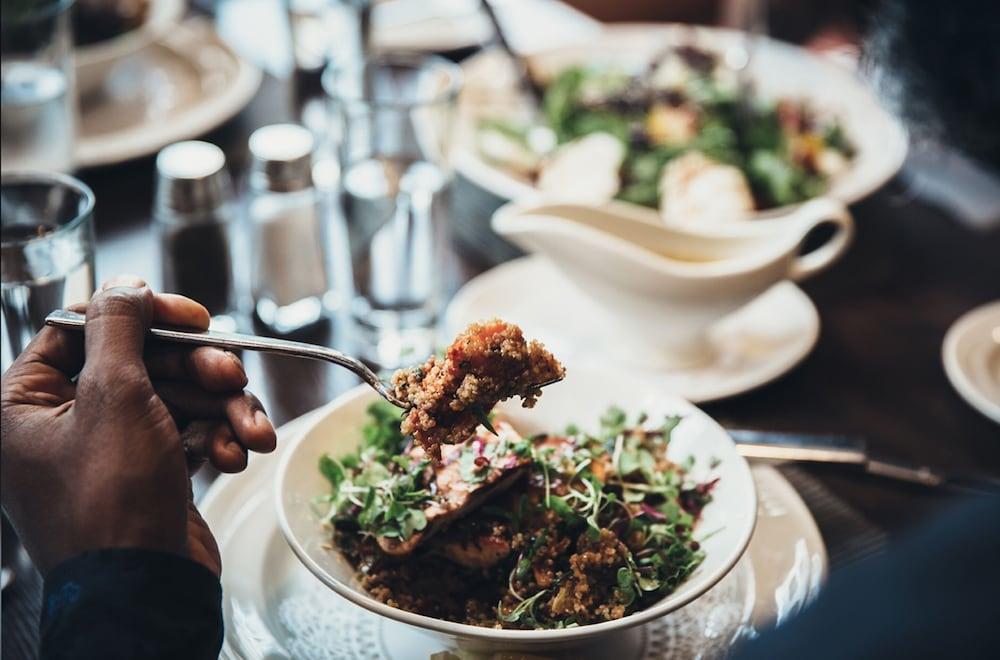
<point x="46" y="250"/>
<point x="37" y="97"/>
<point x="393" y="115"/>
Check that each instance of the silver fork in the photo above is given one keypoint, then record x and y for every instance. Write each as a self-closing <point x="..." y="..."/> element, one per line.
<point x="75" y="321"/>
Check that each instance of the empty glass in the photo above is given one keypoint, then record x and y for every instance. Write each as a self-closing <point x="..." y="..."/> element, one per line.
<point x="46" y="250"/>
<point x="393" y="115"/>
<point x="37" y="99"/>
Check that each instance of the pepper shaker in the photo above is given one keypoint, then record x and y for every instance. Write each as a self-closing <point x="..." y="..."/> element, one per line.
<point x="194" y="213"/>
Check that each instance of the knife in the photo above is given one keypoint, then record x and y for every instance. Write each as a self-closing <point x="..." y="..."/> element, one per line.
<point x="852" y="450"/>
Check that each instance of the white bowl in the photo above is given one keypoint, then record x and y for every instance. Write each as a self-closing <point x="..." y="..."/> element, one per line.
<point x="94" y="61"/>
<point x="726" y="524"/>
<point x="779" y="70"/>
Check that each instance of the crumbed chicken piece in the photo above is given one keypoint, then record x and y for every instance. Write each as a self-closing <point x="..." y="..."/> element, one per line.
<point x="476" y="544"/>
<point x="457" y="494"/>
<point x="584" y="171"/>
<point x="489" y="362"/>
<point x="694" y="189"/>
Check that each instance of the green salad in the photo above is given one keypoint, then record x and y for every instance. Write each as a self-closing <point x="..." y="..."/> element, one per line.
<point x="549" y="531"/>
<point x="689" y="144"/>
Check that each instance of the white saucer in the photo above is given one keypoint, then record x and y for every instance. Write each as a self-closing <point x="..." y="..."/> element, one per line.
<point x="176" y="89"/>
<point x="971" y="354"/>
<point x="275" y="609"/>
<point x="754" y="346"/>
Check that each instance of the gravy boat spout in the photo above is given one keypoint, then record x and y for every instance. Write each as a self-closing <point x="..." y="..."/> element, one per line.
<point x="664" y="286"/>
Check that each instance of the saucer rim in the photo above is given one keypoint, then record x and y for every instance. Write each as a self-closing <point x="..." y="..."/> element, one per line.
<point x="455" y="318"/>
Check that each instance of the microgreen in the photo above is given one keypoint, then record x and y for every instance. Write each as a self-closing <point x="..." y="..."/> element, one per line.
<point x="483" y="419"/>
<point x="524" y="612"/>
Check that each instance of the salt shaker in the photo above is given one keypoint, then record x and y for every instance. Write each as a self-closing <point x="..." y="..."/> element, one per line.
<point x="289" y="270"/>
<point x="194" y="215"/>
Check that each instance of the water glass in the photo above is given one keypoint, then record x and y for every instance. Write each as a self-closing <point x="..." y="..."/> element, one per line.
<point x="46" y="250"/>
<point x="37" y="97"/>
<point x="393" y="118"/>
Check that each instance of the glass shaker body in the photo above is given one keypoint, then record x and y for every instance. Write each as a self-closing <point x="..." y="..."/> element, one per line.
<point x="195" y="220"/>
<point x="290" y="280"/>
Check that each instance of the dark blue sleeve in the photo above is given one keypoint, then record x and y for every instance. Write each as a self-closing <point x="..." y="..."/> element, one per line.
<point x="131" y="603"/>
<point x="934" y="595"/>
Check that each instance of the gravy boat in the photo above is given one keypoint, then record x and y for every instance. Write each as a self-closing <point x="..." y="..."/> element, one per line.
<point x="664" y="286"/>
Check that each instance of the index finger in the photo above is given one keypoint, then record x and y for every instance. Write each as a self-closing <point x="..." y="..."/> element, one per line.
<point x="63" y="349"/>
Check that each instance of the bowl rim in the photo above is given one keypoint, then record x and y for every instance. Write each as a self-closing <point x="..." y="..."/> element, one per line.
<point x="666" y="605"/>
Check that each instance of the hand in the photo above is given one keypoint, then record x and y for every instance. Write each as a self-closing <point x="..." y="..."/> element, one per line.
<point x="95" y="429"/>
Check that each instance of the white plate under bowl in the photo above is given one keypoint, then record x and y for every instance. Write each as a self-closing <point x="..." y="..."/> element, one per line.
<point x="277" y="610"/>
<point x="753" y="346"/>
<point x="779" y="70"/>
<point x="726" y="523"/>
<point x="176" y="89"/>
<point x="971" y="354"/>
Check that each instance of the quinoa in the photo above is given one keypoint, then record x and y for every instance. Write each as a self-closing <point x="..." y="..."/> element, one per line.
<point x="487" y="363"/>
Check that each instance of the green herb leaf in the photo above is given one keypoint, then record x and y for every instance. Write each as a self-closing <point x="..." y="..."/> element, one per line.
<point x="483" y="419"/>
<point x="627" y="585"/>
<point x="332" y="469"/>
<point x="524" y="612"/>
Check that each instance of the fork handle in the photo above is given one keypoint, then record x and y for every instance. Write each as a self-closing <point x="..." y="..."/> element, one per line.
<point x="73" y="321"/>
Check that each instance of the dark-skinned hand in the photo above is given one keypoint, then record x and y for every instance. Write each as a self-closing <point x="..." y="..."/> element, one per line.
<point x="101" y="432"/>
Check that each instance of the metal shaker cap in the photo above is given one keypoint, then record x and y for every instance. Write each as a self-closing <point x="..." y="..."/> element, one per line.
<point x="191" y="179"/>
<point x="282" y="158"/>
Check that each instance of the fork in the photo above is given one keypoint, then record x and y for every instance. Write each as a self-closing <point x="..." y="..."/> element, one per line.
<point x="74" y="321"/>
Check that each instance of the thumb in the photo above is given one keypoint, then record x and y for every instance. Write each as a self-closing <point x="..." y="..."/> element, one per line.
<point x="118" y="318"/>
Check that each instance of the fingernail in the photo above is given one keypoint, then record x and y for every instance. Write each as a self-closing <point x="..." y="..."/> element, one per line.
<point x="261" y="418"/>
<point x="235" y="359"/>
<point x="255" y="403"/>
<point x="131" y="281"/>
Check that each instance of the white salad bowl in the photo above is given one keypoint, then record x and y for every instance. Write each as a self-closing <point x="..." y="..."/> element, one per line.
<point x="778" y="70"/>
<point x="724" y="530"/>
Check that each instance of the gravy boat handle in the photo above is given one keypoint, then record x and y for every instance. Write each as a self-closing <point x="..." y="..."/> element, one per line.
<point x="812" y="214"/>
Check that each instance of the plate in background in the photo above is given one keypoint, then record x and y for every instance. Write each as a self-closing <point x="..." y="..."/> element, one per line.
<point x="94" y="61"/>
<point x="177" y="89"/>
<point x="971" y="354"/>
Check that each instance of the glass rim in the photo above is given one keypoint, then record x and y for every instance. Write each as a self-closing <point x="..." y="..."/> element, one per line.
<point x="65" y="180"/>
<point x="414" y="60"/>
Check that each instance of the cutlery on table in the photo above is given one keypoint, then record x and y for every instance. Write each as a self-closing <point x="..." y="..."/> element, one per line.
<point x="852" y="450"/>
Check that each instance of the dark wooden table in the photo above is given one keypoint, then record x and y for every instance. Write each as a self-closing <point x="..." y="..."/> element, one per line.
<point x="876" y="370"/>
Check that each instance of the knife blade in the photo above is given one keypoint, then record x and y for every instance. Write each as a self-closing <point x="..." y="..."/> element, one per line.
<point x="852" y="450"/>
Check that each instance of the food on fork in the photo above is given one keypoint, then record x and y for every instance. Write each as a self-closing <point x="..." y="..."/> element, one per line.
<point x="451" y="395"/>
